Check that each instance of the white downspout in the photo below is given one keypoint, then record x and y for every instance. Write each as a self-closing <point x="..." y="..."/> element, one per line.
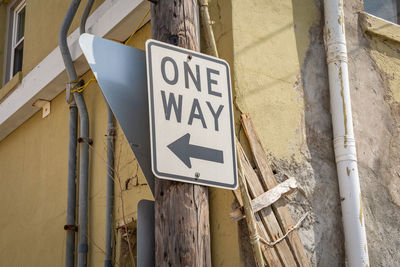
<point x="343" y="135"/>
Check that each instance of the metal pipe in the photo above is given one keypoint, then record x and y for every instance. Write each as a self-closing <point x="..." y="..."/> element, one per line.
<point x="344" y="142"/>
<point x="205" y="15"/>
<point x="83" y="180"/>
<point x="71" y="199"/>
<point x="110" y="160"/>
<point x="83" y="139"/>
<point x="110" y="187"/>
<point x="66" y="55"/>
<point x="71" y="202"/>
<point x="85" y="15"/>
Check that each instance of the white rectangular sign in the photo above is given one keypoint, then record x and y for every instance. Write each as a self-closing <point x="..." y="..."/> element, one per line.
<point x="191" y="116"/>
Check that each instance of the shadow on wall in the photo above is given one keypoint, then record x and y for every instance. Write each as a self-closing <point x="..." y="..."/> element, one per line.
<point x="320" y="178"/>
<point x="265" y="38"/>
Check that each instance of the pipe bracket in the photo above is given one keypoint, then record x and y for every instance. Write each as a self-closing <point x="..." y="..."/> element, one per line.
<point x="71" y="227"/>
<point x="87" y="140"/>
<point x="70" y="88"/>
<point x="111" y="132"/>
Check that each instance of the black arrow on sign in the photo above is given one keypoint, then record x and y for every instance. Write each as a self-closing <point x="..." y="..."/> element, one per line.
<point x="184" y="151"/>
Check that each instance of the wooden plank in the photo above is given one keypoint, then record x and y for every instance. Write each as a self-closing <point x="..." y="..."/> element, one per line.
<point x="238" y="196"/>
<point x="182" y="229"/>
<point x="268" y="198"/>
<point x="268" y="178"/>
<point x="237" y="215"/>
<point x="270" y="255"/>
<point x="267" y="215"/>
<point x="271" y="196"/>
<point x="250" y="218"/>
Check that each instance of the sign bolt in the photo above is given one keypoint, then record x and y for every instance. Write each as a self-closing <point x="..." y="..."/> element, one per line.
<point x="197" y="175"/>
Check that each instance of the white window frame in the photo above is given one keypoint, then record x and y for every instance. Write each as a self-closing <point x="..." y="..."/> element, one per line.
<point x="11" y="41"/>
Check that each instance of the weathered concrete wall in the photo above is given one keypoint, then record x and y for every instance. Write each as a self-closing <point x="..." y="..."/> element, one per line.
<point x="281" y="81"/>
<point x="317" y="171"/>
<point x="374" y="79"/>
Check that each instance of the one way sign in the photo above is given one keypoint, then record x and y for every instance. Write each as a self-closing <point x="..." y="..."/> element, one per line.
<point x="191" y="116"/>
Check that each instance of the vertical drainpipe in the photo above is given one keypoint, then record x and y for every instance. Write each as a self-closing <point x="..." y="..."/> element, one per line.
<point x="344" y="142"/>
<point x="84" y="135"/>
<point x="71" y="201"/>
<point x="110" y="161"/>
<point x="85" y="15"/>
<point x="205" y="15"/>
<point x="110" y="187"/>
<point x="83" y="198"/>
<point x="70" y="227"/>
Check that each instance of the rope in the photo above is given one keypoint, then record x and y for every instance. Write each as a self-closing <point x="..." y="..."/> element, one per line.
<point x="138" y="27"/>
<point x="83" y="87"/>
<point x="80" y="88"/>
<point x="271" y="244"/>
<point x="254" y="238"/>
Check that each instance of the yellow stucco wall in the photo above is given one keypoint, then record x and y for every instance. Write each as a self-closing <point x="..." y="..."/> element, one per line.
<point x="33" y="164"/>
<point x="43" y="23"/>
<point x="270" y="40"/>
<point x="33" y="194"/>
<point x="224" y="233"/>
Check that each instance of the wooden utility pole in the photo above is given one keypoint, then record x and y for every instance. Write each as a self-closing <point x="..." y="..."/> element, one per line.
<point x="182" y="229"/>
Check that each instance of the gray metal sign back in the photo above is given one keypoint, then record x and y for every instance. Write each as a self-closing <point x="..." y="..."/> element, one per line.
<point x="121" y="73"/>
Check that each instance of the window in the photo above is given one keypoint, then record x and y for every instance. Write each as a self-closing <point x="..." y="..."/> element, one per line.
<point x="386" y="9"/>
<point x="15" y="39"/>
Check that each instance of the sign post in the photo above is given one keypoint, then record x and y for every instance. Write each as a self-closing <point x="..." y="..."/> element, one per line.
<point x="182" y="228"/>
<point x="191" y="116"/>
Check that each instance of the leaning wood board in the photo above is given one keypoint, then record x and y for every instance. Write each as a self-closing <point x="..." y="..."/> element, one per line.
<point x="267" y="216"/>
<point x="269" y="254"/>
<point x="282" y="213"/>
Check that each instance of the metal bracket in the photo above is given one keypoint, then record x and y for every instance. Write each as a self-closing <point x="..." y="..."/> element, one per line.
<point x="72" y="227"/>
<point x="44" y="105"/>
<point x="69" y="87"/>
<point x="89" y="140"/>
